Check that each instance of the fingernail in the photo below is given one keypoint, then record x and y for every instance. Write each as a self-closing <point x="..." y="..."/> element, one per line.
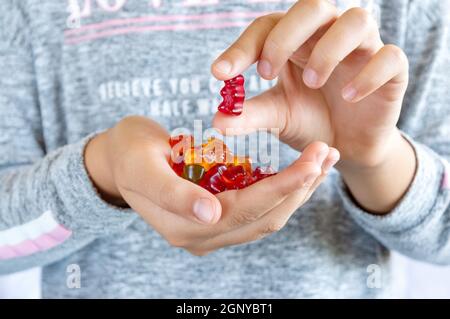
<point x="223" y="66"/>
<point x="310" y="77"/>
<point x="349" y="93"/>
<point x="204" y="210"/>
<point x="265" y="68"/>
<point x="329" y="164"/>
<point x="321" y="156"/>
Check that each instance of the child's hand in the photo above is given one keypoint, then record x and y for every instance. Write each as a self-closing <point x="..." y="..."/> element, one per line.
<point x="129" y="164"/>
<point x="338" y="82"/>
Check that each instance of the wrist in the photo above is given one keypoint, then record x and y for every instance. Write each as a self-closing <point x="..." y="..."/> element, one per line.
<point x="98" y="166"/>
<point x="376" y="157"/>
<point x="379" y="186"/>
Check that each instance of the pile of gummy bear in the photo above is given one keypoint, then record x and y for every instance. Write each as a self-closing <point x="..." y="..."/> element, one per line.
<point x="212" y="165"/>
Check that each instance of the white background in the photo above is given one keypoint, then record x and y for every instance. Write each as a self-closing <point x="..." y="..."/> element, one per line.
<point x="412" y="279"/>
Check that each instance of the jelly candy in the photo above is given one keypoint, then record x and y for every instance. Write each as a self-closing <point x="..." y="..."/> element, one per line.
<point x="236" y="177"/>
<point x="174" y="140"/>
<point x="212" y="165"/>
<point x="212" y="180"/>
<point x="262" y="172"/>
<point x="215" y="151"/>
<point x="179" y="145"/>
<point x="193" y="156"/>
<point x="177" y="167"/>
<point x="244" y="161"/>
<point x="233" y="94"/>
<point x="193" y="172"/>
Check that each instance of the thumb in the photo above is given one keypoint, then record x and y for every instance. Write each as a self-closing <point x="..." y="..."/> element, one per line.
<point x="259" y="112"/>
<point x="160" y="184"/>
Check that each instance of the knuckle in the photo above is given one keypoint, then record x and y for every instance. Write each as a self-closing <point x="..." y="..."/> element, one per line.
<point x="178" y="242"/>
<point x="369" y="84"/>
<point x="363" y="18"/>
<point x="237" y="50"/>
<point x="296" y="185"/>
<point x="299" y="184"/>
<point x="272" y="227"/>
<point x="271" y="18"/>
<point x="323" y="57"/>
<point x="275" y="44"/>
<point x="397" y="53"/>
<point x="306" y="197"/>
<point x="317" y="5"/>
<point x="263" y="20"/>
<point x="260" y="20"/>
<point x="243" y="217"/>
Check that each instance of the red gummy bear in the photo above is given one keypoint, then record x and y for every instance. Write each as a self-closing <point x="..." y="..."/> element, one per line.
<point x="179" y="145"/>
<point x="174" y="140"/>
<point x="236" y="177"/>
<point x="233" y="94"/>
<point x="218" y="176"/>
<point x="177" y="167"/>
<point x="212" y="180"/>
<point x="262" y="172"/>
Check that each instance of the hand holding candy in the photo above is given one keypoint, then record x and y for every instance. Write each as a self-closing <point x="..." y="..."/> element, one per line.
<point x="128" y="164"/>
<point x="347" y="92"/>
<point x="212" y="165"/>
<point x="233" y="94"/>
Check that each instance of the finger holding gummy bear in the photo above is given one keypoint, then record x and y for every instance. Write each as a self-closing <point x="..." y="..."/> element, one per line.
<point x="212" y="165"/>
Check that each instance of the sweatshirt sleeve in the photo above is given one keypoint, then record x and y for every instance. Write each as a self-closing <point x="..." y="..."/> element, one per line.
<point x="48" y="206"/>
<point x="419" y="226"/>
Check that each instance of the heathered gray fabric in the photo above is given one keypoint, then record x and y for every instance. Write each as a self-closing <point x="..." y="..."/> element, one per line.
<point x="54" y="95"/>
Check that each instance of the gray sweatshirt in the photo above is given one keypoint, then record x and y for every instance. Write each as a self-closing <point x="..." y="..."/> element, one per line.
<point x="72" y="68"/>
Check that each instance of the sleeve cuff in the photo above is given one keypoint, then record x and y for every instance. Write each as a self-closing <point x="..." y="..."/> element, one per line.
<point x="416" y="205"/>
<point x="79" y="206"/>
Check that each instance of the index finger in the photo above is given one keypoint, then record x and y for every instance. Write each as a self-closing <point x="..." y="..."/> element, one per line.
<point x="246" y="49"/>
<point x="299" y="24"/>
